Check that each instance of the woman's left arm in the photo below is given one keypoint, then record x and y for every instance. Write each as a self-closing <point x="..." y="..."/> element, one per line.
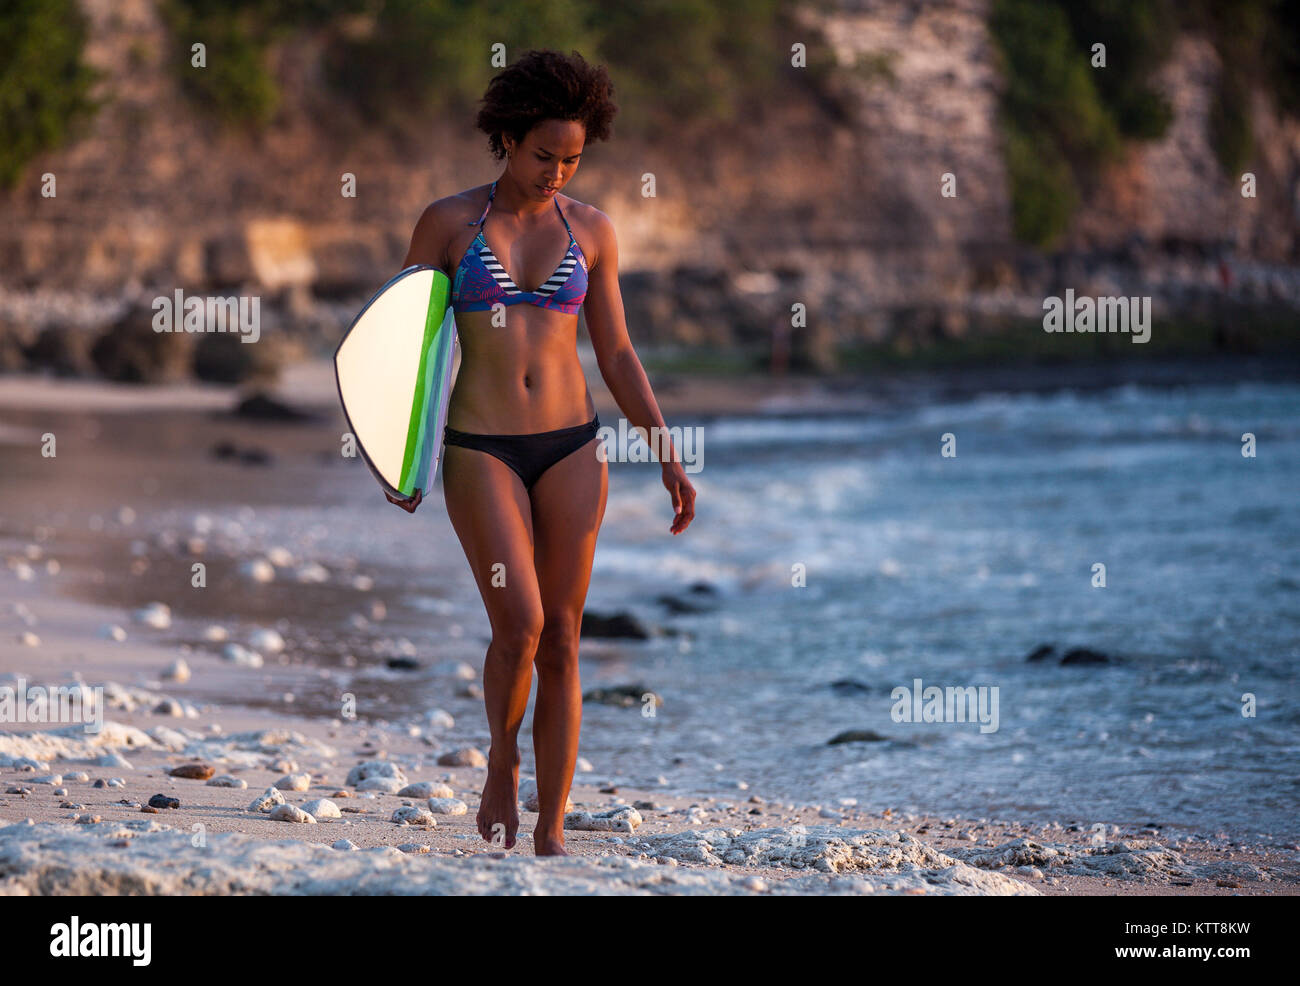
<point x="622" y="370"/>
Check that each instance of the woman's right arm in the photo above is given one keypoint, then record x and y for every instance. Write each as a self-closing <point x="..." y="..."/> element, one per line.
<point x="429" y="238"/>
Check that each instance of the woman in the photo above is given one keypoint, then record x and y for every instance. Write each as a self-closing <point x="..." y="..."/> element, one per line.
<point x="524" y="488"/>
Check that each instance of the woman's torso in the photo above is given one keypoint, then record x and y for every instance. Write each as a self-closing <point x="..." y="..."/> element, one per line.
<point x="522" y="374"/>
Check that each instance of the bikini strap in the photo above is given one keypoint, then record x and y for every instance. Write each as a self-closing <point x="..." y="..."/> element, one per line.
<point x="566" y="222"/>
<point x="483" y="218"/>
<point x="492" y="194"/>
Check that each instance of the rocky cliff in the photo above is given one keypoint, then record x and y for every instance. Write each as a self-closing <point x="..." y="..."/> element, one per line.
<point x="835" y="203"/>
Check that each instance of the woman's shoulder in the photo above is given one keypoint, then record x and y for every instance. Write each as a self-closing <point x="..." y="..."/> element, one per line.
<point x="584" y="212"/>
<point x="439" y="225"/>
<point x="463" y="206"/>
<point x="587" y="219"/>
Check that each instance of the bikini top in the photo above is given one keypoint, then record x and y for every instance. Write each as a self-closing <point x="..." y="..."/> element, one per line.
<point x="482" y="282"/>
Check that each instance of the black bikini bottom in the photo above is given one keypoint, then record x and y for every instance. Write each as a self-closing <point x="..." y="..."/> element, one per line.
<point x="528" y="455"/>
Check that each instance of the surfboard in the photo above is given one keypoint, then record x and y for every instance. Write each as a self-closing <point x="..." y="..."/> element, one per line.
<point x="395" y="368"/>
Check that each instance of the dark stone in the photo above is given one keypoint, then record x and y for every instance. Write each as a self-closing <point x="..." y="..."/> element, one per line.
<point x="703" y="588"/>
<point x="63" y="350"/>
<point x="1081" y="655"/>
<point x="403" y="664"/>
<point x="857" y="736"/>
<point x="261" y="407"/>
<point x="1041" y="652"/>
<point x="254" y="457"/>
<point x="250" y="456"/>
<point x="223" y="357"/>
<point x="678" y="606"/>
<point x="624" y="696"/>
<point x="130" y="351"/>
<point x="618" y="625"/>
<point x="849" y="687"/>
<point x="194" y="771"/>
<point x="162" y="801"/>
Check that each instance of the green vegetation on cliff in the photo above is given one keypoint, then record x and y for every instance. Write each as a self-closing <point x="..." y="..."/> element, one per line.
<point x="392" y="63"/>
<point x="235" y="84"/>
<point x="395" y="61"/>
<point x="1259" y="47"/>
<point x="1064" y="119"/>
<point x="44" y="85"/>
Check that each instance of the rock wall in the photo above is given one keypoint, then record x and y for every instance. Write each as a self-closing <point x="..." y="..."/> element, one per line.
<point x="836" y="205"/>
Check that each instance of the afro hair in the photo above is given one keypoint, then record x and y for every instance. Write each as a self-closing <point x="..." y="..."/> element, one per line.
<point x="546" y="85"/>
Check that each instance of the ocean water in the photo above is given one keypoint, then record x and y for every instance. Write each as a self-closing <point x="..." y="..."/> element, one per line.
<point x="953" y="569"/>
<point x="914" y="565"/>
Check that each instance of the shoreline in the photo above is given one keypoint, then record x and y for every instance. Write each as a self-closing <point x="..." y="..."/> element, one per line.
<point x="683" y="391"/>
<point x="743" y="845"/>
<point x="714" y="845"/>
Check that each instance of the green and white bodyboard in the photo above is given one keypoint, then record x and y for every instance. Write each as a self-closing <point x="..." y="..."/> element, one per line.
<point x="395" y="369"/>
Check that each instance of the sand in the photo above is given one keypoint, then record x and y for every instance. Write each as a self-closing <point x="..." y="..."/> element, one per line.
<point x="71" y="837"/>
<point x="98" y="840"/>
<point x="310" y="384"/>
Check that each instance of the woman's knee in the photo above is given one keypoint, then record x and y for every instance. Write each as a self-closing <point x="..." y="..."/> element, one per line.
<point x="557" y="650"/>
<point x="518" y="635"/>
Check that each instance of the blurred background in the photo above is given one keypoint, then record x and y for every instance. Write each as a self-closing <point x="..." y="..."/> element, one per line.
<point x="919" y="176"/>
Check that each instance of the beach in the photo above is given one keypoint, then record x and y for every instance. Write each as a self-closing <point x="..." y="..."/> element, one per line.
<point x="369" y="670"/>
<point x="75" y="838"/>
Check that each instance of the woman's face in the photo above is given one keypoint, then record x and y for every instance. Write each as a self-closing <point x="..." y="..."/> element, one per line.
<point x="547" y="158"/>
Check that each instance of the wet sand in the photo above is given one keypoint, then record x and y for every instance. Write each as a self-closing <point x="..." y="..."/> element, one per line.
<point x="86" y="839"/>
<point x="72" y="837"/>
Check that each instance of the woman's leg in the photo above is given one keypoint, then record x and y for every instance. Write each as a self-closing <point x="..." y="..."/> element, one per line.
<point x="568" y="506"/>
<point x="491" y="514"/>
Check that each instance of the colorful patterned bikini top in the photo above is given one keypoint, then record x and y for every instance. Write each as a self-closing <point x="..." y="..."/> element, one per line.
<point x="481" y="281"/>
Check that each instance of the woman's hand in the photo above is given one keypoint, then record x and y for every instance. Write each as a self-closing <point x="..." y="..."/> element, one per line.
<point x="683" y="494"/>
<point x="407" y="505"/>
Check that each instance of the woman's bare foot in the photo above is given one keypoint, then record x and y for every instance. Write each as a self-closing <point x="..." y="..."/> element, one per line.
<point x="548" y="845"/>
<point x="498" y="812"/>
